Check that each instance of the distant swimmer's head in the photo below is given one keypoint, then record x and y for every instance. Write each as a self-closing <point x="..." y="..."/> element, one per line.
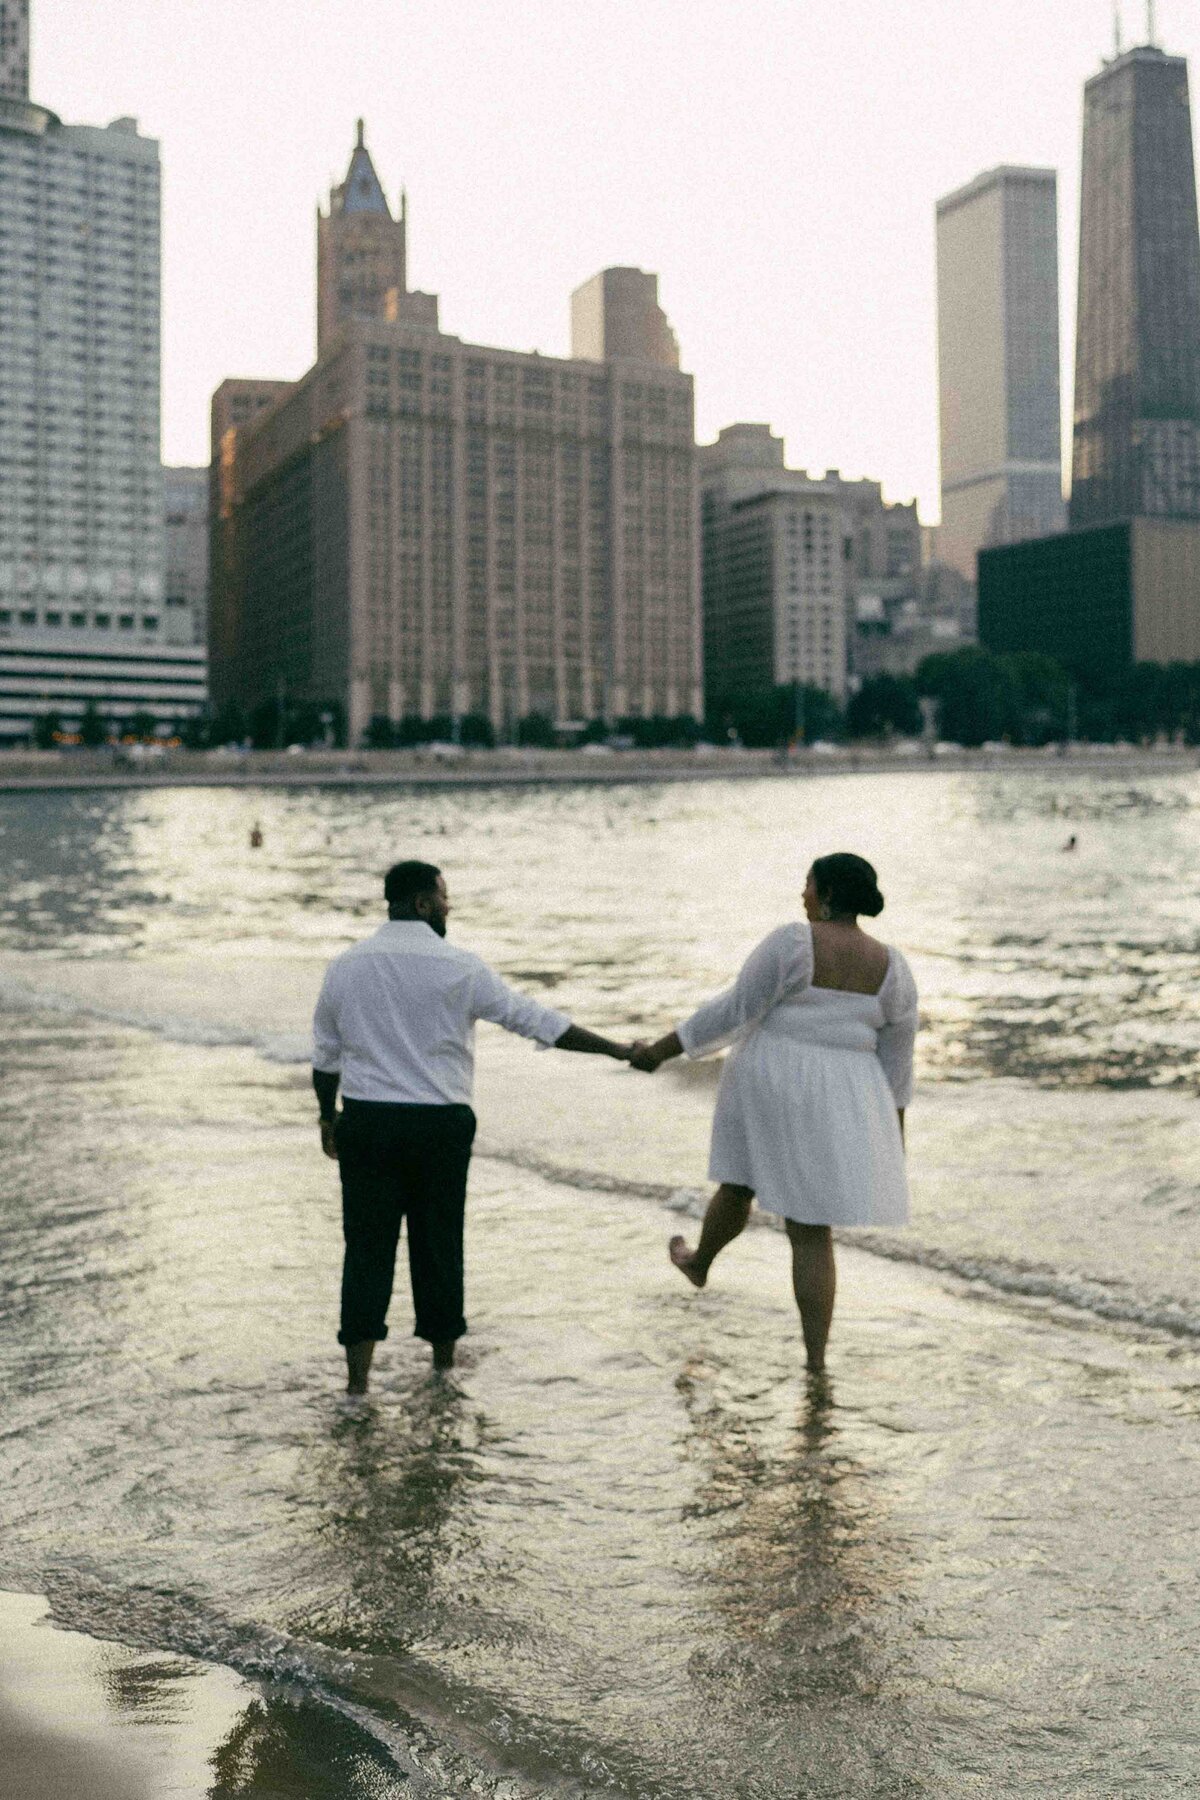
<point x="417" y="890"/>
<point x="840" y="887"/>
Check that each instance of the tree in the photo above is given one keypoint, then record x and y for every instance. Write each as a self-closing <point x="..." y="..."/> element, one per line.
<point x="775" y="716"/>
<point x="884" y="704"/>
<point x="143" y="725"/>
<point x="380" y="733"/>
<point x="229" y="725"/>
<point x="977" y="695"/>
<point x="92" y="729"/>
<point x="475" y="731"/>
<point x="537" y="731"/>
<point x="1042" y="691"/>
<point x="47" y="730"/>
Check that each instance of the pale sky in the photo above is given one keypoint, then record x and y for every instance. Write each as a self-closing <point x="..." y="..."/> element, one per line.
<point x="776" y="162"/>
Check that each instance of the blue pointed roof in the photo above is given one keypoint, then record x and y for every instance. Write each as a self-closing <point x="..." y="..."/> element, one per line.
<point x="362" y="191"/>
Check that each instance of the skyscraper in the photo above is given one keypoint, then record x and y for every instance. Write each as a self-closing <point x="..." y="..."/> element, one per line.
<point x="81" y="510"/>
<point x="1137" y="362"/>
<point x="998" y="363"/>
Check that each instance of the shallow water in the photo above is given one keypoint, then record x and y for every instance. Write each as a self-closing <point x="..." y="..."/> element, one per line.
<point x="623" y="1552"/>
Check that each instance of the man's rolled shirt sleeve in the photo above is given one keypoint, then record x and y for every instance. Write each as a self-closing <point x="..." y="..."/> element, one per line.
<point x="495" y="1001"/>
<point x="327" y="1039"/>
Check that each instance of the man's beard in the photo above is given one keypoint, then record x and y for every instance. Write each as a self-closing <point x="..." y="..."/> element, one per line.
<point x="438" y="925"/>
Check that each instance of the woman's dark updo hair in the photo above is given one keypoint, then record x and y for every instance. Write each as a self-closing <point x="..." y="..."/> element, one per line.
<point x="847" y="884"/>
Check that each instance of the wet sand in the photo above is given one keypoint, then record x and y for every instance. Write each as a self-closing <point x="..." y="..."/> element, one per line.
<point x="83" y="1718"/>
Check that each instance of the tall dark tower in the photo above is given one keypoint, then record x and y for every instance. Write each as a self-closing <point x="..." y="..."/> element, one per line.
<point x="1137" y="357"/>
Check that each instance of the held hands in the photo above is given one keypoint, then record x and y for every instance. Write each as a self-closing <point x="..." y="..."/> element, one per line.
<point x="645" y="1057"/>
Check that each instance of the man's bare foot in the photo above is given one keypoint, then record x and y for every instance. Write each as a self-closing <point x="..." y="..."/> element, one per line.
<point x="443" y="1355"/>
<point x="685" y="1261"/>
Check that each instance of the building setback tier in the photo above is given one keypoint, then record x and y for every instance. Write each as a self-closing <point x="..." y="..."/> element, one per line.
<point x="37" y="679"/>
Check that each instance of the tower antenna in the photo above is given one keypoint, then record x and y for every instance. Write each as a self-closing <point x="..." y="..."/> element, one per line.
<point x="1116" y="27"/>
<point x="1151" y="33"/>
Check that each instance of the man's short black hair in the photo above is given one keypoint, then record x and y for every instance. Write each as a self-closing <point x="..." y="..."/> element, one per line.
<point x="405" y="880"/>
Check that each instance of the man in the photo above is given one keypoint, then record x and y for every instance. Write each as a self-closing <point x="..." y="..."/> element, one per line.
<point x="395" y="1025"/>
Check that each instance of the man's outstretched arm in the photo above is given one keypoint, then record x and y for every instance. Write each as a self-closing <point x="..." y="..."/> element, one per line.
<point x="493" y="999"/>
<point x="578" y="1037"/>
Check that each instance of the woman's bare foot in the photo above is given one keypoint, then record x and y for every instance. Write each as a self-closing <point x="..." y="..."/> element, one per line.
<point x="685" y="1261"/>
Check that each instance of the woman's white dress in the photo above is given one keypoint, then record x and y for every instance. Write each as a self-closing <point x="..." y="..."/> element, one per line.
<point x="806" y="1110"/>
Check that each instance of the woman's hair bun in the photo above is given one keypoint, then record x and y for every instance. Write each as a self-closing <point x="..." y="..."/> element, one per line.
<point x="848" y="884"/>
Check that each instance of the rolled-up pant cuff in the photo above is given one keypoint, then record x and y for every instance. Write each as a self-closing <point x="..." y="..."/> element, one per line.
<point x="437" y="1334"/>
<point x="367" y="1335"/>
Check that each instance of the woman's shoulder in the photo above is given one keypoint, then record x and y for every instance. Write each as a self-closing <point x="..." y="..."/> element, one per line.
<point x="790" y="945"/>
<point x="899" y="981"/>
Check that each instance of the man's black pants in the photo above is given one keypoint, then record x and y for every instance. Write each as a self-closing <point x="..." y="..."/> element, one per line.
<point x="403" y="1162"/>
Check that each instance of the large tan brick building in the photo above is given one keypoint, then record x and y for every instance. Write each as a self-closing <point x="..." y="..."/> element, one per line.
<point x="423" y="528"/>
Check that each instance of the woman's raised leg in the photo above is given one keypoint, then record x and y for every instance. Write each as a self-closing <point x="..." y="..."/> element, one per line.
<point x="814" y="1283"/>
<point x="724" y="1220"/>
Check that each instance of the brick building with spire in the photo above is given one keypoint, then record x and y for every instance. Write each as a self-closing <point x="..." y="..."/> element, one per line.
<point x="426" y="530"/>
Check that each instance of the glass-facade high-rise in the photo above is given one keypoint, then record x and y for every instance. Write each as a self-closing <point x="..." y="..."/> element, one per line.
<point x="1137" y="364"/>
<point x="998" y="363"/>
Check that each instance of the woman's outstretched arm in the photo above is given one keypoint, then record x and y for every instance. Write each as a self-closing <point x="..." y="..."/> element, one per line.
<point x="648" y="1057"/>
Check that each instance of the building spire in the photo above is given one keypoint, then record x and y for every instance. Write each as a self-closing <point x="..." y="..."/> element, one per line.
<point x="361" y="142"/>
<point x="1116" y="27"/>
<point x="1151" y="32"/>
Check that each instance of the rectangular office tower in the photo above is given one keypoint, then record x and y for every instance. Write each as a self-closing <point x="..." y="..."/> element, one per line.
<point x="423" y="531"/>
<point x="1137" y="362"/>
<point x="786" y="556"/>
<point x="81" y="509"/>
<point x="998" y="363"/>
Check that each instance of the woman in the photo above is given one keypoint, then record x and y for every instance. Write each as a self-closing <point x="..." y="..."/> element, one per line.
<point x="810" y="1111"/>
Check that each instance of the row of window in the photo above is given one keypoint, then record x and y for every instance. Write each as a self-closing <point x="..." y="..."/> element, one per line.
<point x="54" y="620"/>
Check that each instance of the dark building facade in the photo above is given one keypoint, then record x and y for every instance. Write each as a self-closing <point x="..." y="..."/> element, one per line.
<point x="1098" y="600"/>
<point x="1137" y="364"/>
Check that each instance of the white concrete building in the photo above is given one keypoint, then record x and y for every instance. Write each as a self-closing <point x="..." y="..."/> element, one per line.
<point x="998" y="363"/>
<point x="81" y="498"/>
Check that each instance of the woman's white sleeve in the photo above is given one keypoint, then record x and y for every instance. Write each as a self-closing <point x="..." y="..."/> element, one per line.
<point x="895" y="1039"/>
<point x="780" y="965"/>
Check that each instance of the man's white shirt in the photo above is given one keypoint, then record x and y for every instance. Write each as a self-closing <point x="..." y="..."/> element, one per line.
<point x="396" y="1017"/>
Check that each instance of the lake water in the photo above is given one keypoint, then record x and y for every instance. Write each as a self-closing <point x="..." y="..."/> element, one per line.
<point x="624" y="1552"/>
